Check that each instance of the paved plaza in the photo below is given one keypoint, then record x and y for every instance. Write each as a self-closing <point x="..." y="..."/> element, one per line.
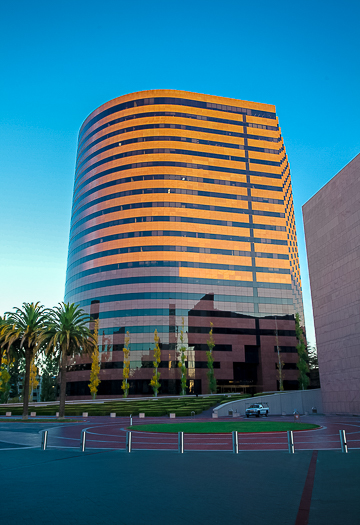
<point x="62" y="485"/>
<point x="164" y="487"/>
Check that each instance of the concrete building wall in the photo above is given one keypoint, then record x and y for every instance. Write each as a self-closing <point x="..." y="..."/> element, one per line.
<point x="332" y="230"/>
<point x="281" y="403"/>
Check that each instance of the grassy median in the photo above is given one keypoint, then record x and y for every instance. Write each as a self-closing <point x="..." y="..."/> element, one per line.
<point x="218" y="427"/>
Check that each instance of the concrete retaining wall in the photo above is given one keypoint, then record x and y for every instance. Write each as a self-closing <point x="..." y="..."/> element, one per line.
<point x="281" y="403"/>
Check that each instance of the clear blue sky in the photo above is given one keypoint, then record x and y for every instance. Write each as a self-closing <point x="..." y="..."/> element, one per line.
<point x="61" y="60"/>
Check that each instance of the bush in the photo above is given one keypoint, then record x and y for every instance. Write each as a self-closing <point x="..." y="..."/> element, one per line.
<point x="154" y="413"/>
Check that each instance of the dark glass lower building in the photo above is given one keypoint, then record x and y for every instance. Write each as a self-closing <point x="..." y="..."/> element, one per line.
<point x="182" y="210"/>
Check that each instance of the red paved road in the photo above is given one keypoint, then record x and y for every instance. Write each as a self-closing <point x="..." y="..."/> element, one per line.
<point x="105" y="432"/>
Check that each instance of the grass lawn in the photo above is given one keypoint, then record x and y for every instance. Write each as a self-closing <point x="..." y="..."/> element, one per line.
<point x="214" y="427"/>
<point x="182" y="406"/>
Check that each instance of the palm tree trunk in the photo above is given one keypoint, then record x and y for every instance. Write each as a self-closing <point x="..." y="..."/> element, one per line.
<point x="26" y="384"/>
<point x="63" y="383"/>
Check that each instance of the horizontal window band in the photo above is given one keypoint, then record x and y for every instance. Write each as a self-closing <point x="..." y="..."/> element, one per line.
<point x="173" y="218"/>
<point x="187" y="205"/>
<point x="175" y="191"/>
<point x="143" y="364"/>
<point x="179" y="312"/>
<point x="145" y="347"/>
<point x="80" y="367"/>
<point x="172" y="264"/>
<point x="198" y="347"/>
<point x="164" y="312"/>
<point x="139" y="312"/>
<point x="181" y="296"/>
<point x="163" y="233"/>
<point x="168" y="164"/>
<point x="174" y="101"/>
<point x="175" y="151"/>
<point x="182" y="234"/>
<point x="239" y="331"/>
<point x="127" y="180"/>
<point x="174" y="177"/>
<point x="190" y="116"/>
<point x="174" y="138"/>
<point x="142" y="127"/>
<point x="183" y="249"/>
<point x="164" y="329"/>
<point x="159" y="279"/>
<point x="232" y="315"/>
<point x="286" y="349"/>
<point x="161" y="191"/>
<point x="141" y="205"/>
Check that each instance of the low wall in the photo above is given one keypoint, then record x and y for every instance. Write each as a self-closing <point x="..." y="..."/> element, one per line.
<point x="281" y="403"/>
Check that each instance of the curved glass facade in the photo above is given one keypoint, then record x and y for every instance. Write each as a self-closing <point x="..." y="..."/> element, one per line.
<point x="178" y="197"/>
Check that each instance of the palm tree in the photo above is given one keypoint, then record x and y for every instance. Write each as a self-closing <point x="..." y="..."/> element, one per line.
<point x="3" y="325"/>
<point x="68" y="334"/>
<point x="23" y="332"/>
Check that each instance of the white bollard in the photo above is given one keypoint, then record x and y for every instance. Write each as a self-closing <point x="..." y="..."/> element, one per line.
<point x="172" y="415"/>
<point x="83" y="441"/>
<point x="181" y="442"/>
<point x="57" y="414"/>
<point x="8" y="414"/>
<point x="33" y="414"/>
<point x="235" y="441"/>
<point x="343" y="441"/>
<point x="128" y="441"/>
<point x="44" y="438"/>
<point x="85" y="414"/>
<point x="131" y="420"/>
<point x="112" y="414"/>
<point x="291" y="445"/>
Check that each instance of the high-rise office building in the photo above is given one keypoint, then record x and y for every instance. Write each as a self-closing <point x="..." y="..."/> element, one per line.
<point x="183" y="199"/>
